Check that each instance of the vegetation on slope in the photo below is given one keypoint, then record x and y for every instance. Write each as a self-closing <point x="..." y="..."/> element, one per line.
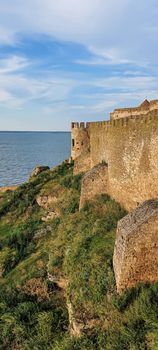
<point x="64" y="264"/>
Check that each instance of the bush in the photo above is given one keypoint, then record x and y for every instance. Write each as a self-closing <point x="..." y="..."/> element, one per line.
<point x="74" y="182"/>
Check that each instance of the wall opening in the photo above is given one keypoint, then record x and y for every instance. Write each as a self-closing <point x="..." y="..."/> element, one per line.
<point x="73" y="143"/>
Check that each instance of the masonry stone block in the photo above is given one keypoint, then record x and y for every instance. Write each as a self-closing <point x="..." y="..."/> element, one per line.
<point x="94" y="182"/>
<point x="136" y="247"/>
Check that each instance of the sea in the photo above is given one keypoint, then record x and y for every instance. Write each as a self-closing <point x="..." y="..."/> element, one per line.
<point x="20" y="152"/>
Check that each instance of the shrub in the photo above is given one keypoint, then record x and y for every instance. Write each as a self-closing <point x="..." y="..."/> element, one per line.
<point x="74" y="182"/>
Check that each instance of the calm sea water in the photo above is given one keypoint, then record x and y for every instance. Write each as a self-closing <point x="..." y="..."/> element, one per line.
<point x="20" y="152"/>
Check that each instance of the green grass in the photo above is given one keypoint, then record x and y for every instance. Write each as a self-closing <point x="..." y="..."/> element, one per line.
<point x="75" y="246"/>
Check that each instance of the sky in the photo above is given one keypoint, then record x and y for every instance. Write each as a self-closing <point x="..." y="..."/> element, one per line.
<point x="74" y="60"/>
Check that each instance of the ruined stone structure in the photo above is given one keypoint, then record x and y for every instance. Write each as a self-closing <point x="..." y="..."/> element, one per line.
<point x="136" y="247"/>
<point x="94" y="181"/>
<point x="129" y="145"/>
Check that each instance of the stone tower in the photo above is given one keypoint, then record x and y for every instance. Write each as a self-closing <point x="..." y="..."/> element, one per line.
<point x="79" y="139"/>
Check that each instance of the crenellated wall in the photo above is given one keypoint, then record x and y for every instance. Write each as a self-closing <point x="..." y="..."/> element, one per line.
<point x="130" y="148"/>
<point x="144" y="109"/>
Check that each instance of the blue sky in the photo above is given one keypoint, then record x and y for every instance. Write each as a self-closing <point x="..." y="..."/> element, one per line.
<point x="70" y="60"/>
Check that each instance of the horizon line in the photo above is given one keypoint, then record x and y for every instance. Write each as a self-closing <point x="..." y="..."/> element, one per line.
<point x="27" y="131"/>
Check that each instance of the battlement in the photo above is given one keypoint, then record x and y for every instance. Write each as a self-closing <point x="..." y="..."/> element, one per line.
<point x="122" y="122"/>
<point x="81" y="125"/>
<point x="81" y="132"/>
<point x="143" y="108"/>
<point x="141" y="114"/>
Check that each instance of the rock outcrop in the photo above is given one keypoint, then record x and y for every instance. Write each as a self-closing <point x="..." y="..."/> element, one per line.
<point x="47" y="200"/>
<point x="136" y="247"/>
<point x="94" y="182"/>
<point x="38" y="170"/>
<point x="75" y="326"/>
<point x="49" y="203"/>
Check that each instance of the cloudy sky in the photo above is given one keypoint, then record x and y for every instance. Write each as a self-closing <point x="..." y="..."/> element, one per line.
<point x="74" y="60"/>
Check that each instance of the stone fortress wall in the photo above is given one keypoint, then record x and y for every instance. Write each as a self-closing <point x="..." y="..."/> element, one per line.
<point x="144" y="109"/>
<point x="127" y="147"/>
<point x="130" y="148"/>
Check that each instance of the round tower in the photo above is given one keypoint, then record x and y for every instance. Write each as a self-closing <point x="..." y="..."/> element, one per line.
<point x="79" y="139"/>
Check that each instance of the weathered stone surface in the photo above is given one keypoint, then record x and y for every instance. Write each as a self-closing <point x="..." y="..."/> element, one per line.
<point x="42" y="232"/>
<point x="80" y="152"/>
<point x="38" y="170"/>
<point x="46" y="201"/>
<point x="82" y="163"/>
<point x="130" y="147"/>
<point x="50" y="215"/>
<point x="79" y="139"/>
<point x="80" y="323"/>
<point x="76" y="326"/>
<point x="136" y="247"/>
<point x="94" y="182"/>
<point x="143" y="108"/>
<point x="50" y="199"/>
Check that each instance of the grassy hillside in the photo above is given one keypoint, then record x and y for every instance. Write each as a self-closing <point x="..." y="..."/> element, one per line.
<point x="56" y="272"/>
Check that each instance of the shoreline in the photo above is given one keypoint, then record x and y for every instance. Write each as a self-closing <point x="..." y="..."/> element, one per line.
<point x="4" y="189"/>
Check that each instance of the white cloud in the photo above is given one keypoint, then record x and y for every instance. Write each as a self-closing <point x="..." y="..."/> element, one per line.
<point x="18" y="88"/>
<point x="109" y="56"/>
<point x="13" y="63"/>
<point x="114" y="30"/>
<point x="63" y="95"/>
<point x="122" y="32"/>
<point x="138" y="83"/>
